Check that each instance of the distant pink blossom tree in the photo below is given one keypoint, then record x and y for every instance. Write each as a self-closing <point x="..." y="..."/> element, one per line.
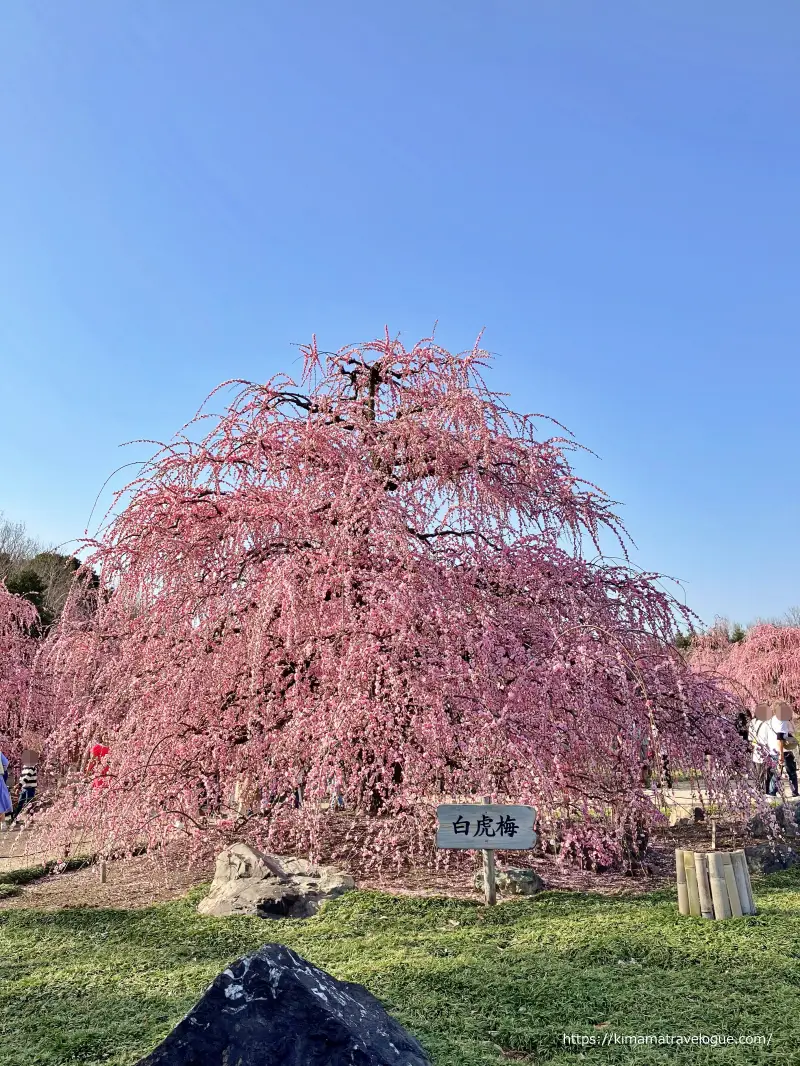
<point x="20" y="718"/>
<point x="762" y="667"/>
<point x="371" y="588"/>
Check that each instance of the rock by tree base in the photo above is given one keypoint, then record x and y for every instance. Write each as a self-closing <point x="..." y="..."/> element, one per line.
<point x="513" y="881"/>
<point x="769" y="858"/>
<point x="248" y="881"/>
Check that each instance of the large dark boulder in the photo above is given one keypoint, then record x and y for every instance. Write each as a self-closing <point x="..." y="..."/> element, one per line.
<point x="275" y="1009"/>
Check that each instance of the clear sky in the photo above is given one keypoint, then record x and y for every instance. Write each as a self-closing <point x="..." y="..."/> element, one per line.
<point x="191" y="187"/>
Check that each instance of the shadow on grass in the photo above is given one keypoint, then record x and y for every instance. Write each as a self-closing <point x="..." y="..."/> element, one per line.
<point x="478" y="986"/>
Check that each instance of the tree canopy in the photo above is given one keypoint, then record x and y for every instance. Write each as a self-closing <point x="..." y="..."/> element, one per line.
<point x="26" y="582"/>
<point x="21" y="722"/>
<point x="44" y="577"/>
<point x="373" y="584"/>
<point x="762" y="666"/>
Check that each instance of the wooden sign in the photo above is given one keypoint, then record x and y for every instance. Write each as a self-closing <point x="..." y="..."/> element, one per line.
<point x="485" y="826"/>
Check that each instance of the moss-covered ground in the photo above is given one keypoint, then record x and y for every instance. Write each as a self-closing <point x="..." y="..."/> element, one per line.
<point x="561" y="978"/>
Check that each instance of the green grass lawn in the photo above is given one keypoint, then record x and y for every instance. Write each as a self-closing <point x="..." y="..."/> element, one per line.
<point x="478" y="987"/>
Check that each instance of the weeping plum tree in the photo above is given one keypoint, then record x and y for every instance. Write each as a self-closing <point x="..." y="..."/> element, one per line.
<point x="21" y="723"/>
<point x="764" y="665"/>
<point x="372" y="585"/>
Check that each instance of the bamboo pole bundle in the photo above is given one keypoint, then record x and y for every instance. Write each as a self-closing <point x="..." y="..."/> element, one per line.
<point x="714" y="884"/>
<point x="680" y="873"/>
<point x="719" y="889"/>
<point x="691" y="884"/>
<point x="733" y="888"/>
<point x="703" y="887"/>
<point x="743" y="881"/>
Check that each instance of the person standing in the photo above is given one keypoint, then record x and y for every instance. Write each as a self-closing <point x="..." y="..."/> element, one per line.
<point x="763" y="759"/>
<point x="785" y="742"/>
<point x="743" y="720"/>
<point x="27" y="785"/>
<point x="5" y="795"/>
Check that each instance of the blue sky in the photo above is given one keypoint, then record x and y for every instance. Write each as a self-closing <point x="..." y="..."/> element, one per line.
<point x="190" y="188"/>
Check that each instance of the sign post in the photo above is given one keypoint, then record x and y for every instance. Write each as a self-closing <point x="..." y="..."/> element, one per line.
<point x="486" y="827"/>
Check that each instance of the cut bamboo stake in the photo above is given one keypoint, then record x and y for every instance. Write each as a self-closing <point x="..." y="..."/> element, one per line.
<point x="733" y="888"/>
<point x="753" y="907"/>
<point x="691" y="884"/>
<point x="719" y="890"/>
<point x="743" y="881"/>
<point x="703" y="887"/>
<point x="680" y="874"/>
<point x="749" y="884"/>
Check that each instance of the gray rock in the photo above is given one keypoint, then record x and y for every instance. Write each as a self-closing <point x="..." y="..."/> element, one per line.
<point x="513" y="881"/>
<point x="679" y="821"/>
<point x="770" y="857"/>
<point x="682" y="823"/>
<point x="275" y="1009"/>
<point x="785" y="820"/>
<point x="757" y="826"/>
<point x="248" y="881"/>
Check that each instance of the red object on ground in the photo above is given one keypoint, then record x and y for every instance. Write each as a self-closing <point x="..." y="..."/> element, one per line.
<point x="97" y="766"/>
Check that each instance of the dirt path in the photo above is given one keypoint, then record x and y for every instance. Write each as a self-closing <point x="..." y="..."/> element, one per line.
<point x="142" y="880"/>
<point x="136" y="882"/>
<point x="20" y="849"/>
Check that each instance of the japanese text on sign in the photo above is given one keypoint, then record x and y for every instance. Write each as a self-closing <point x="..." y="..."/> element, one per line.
<point x="485" y="826"/>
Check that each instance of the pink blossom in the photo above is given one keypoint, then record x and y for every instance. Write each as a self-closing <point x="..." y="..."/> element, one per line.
<point x="21" y="701"/>
<point x="374" y="584"/>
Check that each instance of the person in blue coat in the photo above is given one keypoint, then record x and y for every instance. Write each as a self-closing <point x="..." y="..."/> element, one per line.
<point x="5" y="796"/>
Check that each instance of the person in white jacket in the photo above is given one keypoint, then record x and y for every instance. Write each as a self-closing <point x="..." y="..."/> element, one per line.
<point x="784" y="742"/>
<point x="764" y="744"/>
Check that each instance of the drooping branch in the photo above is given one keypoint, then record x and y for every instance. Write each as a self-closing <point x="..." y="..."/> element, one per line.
<point x="362" y="589"/>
